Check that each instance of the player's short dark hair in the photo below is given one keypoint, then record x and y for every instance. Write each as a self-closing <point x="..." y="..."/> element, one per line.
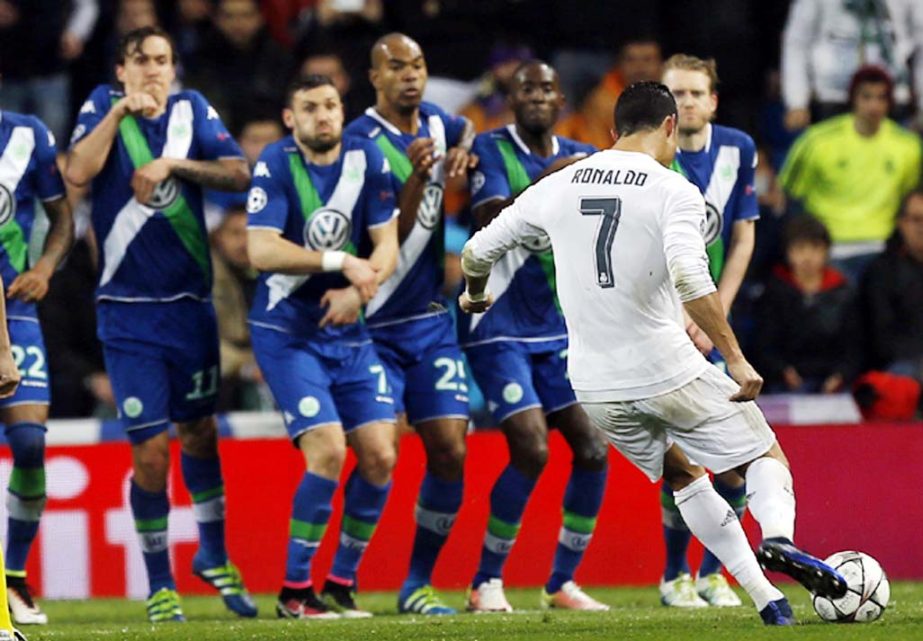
<point x="132" y="41"/>
<point x="871" y="75"/>
<point x="306" y="83"/>
<point x="905" y="203"/>
<point x="643" y="106"/>
<point x="806" y="229"/>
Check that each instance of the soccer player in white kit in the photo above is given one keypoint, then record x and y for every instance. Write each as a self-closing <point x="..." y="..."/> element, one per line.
<point x="630" y="255"/>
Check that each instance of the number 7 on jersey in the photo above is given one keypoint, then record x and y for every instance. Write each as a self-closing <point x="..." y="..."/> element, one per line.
<point x="611" y="211"/>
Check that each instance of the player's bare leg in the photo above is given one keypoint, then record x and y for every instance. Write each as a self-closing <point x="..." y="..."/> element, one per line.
<point x="25" y="433"/>
<point x="202" y="475"/>
<point x="582" y="501"/>
<point x="365" y="494"/>
<point x="438" y="502"/>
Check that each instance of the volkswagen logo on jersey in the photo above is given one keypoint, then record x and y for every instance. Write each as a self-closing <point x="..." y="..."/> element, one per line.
<point x="7" y="205"/>
<point x="430" y="206"/>
<point x="537" y="244"/>
<point x="714" y="222"/>
<point x="328" y="230"/>
<point x="165" y="193"/>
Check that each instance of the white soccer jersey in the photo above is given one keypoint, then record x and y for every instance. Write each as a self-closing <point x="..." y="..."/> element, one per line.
<point x="627" y="239"/>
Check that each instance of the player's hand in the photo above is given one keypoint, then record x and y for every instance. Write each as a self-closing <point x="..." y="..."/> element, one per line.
<point x="458" y="161"/>
<point x="136" y="104"/>
<point x="101" y="388"/>
<point x="146" y="178"/>
<point x="701" y="340"/>
<point x="71" y="46"/>
<point x="796" y="119"/>
<point x="833" y="383"/>
<point x="477" y="306"/>
<point x="9" y="374"/>
<point x="362" y="275"/>
<point x="792" y="378"/>
<point x="30" y="285"/>
<point x="342" y="306"/>
<point x="423" y="156"/>
<point x="750" y="382"/>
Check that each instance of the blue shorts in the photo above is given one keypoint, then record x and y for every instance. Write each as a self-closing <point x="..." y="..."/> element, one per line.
<point x="168" y="370"/>
<point x="28" y="350"/>
<point x="320" y="384"/>
<point x="425" y="368"/>
<point x="517" y="376"/>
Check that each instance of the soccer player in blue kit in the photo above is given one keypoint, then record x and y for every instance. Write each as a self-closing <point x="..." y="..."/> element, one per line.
<point x="148" y="155"/>
<point x="721" y="162"/>
<point x="518" y="349"/>
<point x="318" y="202"/>
<point x="408" y="318"/>
<point x="28" y="172"/>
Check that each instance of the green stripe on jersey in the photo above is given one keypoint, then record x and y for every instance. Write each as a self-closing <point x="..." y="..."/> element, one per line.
<point x="307" y="194"/>
<point x="178" y="213"/>
<point x="14" y="244"/>
<point x="516" y="174"/>
<point x="400" y="163"/>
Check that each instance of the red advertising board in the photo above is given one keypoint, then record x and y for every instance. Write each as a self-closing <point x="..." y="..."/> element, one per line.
<point x="857" y="488"/>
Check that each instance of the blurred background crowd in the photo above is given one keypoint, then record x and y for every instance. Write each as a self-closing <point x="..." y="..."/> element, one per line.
<point x="831" y="90"/>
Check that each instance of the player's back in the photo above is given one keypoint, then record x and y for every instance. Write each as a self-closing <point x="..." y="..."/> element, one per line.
<point x="618" y="222"/>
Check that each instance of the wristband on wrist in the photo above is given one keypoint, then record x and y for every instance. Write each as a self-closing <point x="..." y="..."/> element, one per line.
<point x="332" y="261"/>
<point x="477" y="298"/>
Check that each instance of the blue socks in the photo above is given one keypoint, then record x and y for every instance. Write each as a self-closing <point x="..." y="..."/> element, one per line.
<point x="437" y="506"/>
<point x="676" y="535"/>
<point x="150" y="510"/>
<point x="26" y="493"/>
<point x="310" y="514"/>
<point x="737" y="497"/>
<point x="363" y="504"/>
<point x="507" y="503"/>
<point x="582" y="499"/>
<point x="204" y="482"/>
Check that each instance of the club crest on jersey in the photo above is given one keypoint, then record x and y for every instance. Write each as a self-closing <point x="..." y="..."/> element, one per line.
<point x="537" y="244"/>
<point x="430" y="206"/>
<point x="714" y="223"/>
<point x="328" y="230"/>
<point x="7" y="205"/>
<point x="165" y="193"/>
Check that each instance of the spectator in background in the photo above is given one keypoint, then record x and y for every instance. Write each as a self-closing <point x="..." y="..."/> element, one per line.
<point x="232" y="292"/>
<point x="807" y="331"/>
<point x="135" y="14"/>
<point x="490" y="109"/>
<point x="892" y="297"/>
<point x="239" y="65"/>
<point x="330" y="64"/>
<point x="193" y="21"/>
<point x="826" y="41"/>
<point x="637" y="60"/>
<point x="38" y="40"/>
<point x="852" y="171"/>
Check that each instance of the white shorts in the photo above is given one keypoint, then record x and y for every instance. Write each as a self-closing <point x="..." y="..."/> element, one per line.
<point x="699" y="417"/>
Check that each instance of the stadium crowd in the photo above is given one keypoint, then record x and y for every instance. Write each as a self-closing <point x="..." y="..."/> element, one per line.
<point x="815" y="155"/>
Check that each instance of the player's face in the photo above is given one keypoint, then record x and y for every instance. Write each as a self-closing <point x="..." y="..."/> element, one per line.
<point x="871" y="103"/>
<point x="536" y="98"/>
<point x="256" y="135"/>
<point x="911" y="225"/>
<point x="316" y="118"/>
<point x="231" y="239"/>
<point x="807" y="257"/>
<point x="148" y="68"/>
<point x="640" y="61"/>
<point x="401" y="75"/>
<point x="695" y="100"/>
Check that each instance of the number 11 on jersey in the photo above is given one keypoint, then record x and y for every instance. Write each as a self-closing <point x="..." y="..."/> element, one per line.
<point x="611" y="211"/>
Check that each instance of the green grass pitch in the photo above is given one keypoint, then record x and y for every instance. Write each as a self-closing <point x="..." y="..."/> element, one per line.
<point x="636" y="614"/>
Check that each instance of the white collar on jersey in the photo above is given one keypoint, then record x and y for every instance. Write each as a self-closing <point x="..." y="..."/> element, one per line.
<point x="555" y="147"/>
<point x="372" y="113"/>
<point x="707" y="146"/>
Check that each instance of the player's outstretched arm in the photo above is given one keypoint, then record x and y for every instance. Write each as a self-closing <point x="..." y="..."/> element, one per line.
<point x="32" y="285"/>
<point x="88" y="156"/>
<point x="385" y="250"/>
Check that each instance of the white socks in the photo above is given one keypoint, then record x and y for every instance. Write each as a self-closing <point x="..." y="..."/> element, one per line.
<point x="712" y="520"/>
<point x="771" y="499"/>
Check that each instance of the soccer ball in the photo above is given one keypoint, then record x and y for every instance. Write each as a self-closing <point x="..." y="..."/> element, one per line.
<point x="868" y="589"/>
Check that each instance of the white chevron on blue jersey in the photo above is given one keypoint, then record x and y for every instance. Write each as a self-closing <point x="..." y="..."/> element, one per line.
<point x="15" y="161"/>
<point x="133" y="215"/>
<point x="343" y="199"/>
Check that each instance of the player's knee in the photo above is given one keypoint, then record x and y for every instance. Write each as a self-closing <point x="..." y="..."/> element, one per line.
<point x="199" y="438"/>
<point x="151" y="464"/>
<point x="377" y="463"/>
<point x="328" y="462"/>
<point x="529" y="453"/>
<point x="447" y="458"/>
<point x="27" y="442"/>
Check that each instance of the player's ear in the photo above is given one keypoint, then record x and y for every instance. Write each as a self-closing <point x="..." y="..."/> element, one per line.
<point x="288" y="117"/>
<point x="120" y="73"/>
<point x="714" y="101"/>
<point x="373" y="77"/>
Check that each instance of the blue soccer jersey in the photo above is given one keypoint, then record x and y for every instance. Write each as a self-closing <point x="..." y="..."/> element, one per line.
<point x="155" y="251"/>
<point x="525" y="305"/>
<point x="724" y="171"/>
<point x="28" y="173"/>
<point x="323" y="208"/>
<point x="417" y="281"/>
